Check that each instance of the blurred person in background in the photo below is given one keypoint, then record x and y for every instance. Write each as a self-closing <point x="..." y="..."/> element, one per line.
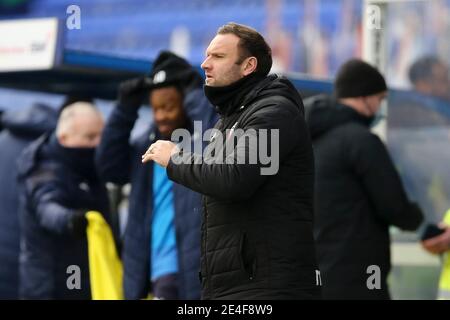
<point x="437" y="241"/>
<point x="161" y="249"/>
<point x="20" y="128"/>
<point x="418" y="135"/>
<point x="430" y="76"/>
<point x="358" y="192"/>
<point x="58" y="185"/>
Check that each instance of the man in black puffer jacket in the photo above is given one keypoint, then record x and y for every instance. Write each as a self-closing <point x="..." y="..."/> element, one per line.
<point x="257" y="239"/>
<point x="358" y="191"/>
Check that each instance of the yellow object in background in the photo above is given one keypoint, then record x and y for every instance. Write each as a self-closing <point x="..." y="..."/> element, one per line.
<point x="105" y="267"/>
<point x="444" y="281"/>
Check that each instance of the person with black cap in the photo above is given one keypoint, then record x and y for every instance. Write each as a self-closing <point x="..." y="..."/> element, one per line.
<point x="358" y="193"/>
<point x="161" y="249"/>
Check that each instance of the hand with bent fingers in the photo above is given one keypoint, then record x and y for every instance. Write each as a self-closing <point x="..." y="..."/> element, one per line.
<point x="160" y="152"/>
<point x="440" y="243"/>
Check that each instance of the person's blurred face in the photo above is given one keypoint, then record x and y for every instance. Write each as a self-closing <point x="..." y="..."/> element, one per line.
<point x="437" y="84"/>
<point x="373" y="103"/>
<point x="440" y="81"/>
<point x="85" y="131"/>
<point x="168" y="112"/>
<point x="222" y="66"/>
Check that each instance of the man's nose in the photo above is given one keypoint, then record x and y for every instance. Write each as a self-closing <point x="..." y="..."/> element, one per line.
<point x="159" y="116"/>
<point x="205" y="64"/>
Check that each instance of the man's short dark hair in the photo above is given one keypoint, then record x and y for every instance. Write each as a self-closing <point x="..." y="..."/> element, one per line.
<point x="422" y="69"/>
<point x="251" y="44"/>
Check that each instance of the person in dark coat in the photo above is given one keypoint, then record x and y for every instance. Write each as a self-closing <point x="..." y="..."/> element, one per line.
<point x="58" y="185"/>
<point x="358" y="193"/>
<point x="257" y="236"/>
<point x="20" y="128"/>
<point x="161" y="249"/>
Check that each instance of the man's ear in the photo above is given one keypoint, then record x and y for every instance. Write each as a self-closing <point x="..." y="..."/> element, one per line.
<point x="250" y="65"/>
<point x="62" y="138"/>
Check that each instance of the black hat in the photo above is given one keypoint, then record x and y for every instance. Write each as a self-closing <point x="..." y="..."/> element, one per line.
<point x="172" y="70"/>
<point x="357" y="78"/>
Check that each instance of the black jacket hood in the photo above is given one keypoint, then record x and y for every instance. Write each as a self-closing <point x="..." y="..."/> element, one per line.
<point x="323" y="113"/>
<point x="274" y="85"/>
<point x="250" y="89"/>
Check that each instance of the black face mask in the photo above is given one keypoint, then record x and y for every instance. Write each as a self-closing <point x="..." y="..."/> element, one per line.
<point x="229" y="98"/>
<point x="376" y="118"/>
<point x="81" y="160"/>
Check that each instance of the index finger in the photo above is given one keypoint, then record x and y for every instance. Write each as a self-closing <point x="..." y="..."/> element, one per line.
<point x="147" y="157"/>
